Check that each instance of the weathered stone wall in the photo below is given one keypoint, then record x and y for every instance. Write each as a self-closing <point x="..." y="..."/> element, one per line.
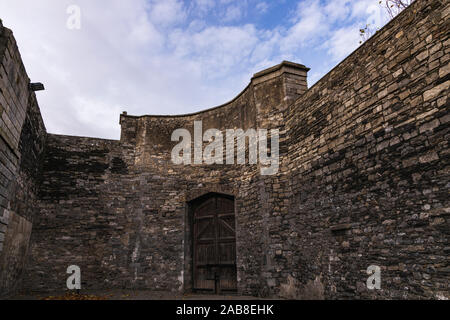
<point x="77" y="225"/>
<point x="369" y="167"/>
<point x="22" y="137"/>
<point x="363" y="180"/>
<point x="118" y="209"/>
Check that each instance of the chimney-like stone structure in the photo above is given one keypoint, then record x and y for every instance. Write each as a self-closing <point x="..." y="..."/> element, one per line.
<point x="292" y="77"/>
<point x="274" y="89"/>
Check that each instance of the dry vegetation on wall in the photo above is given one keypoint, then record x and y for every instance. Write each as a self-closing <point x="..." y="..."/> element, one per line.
<point x="392" y="8"/>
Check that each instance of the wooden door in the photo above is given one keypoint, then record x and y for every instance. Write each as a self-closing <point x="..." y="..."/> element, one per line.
<point x="214" y="244"/>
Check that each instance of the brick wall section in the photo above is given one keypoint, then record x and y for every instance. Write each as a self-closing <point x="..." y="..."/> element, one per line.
<point x="22" y="137"/>
<point x="369" y="168"/>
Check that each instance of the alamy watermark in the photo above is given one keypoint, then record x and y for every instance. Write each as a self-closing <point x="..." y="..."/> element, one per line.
<point x="74" y="19"/>
<point x="374" y="281"/>
<point x="74" y="281"/>
<point x="219" y="148"/>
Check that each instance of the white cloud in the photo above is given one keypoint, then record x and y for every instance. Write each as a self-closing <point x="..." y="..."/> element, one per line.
<point x="166" y="12"/>
<point x="262" y="7"/>
<point x="308" y="24"/>
<point x="337" y="9"/>
<point x="343" y="42"/>
<point x="233" y="13"/>
<point x="160" y="56"/>
<point x="204" y="6"/>
<point x="216" y="50"/>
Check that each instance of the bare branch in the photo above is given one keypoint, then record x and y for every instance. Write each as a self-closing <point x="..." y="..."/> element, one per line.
<point x="394" y="7"/>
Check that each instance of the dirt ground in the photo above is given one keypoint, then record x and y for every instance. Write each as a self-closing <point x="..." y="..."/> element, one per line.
<point x="125" y="295"/>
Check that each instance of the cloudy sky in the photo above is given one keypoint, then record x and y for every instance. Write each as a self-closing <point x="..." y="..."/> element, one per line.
<point x="170" y="56"/>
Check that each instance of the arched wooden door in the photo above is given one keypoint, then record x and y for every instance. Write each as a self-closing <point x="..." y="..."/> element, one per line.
<point x="214" y="244"/>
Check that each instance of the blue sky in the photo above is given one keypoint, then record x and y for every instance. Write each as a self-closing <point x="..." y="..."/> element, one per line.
<point x="171" y="56"/>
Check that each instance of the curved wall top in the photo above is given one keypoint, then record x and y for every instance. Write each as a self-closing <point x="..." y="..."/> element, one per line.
<point x="270" y="91"/>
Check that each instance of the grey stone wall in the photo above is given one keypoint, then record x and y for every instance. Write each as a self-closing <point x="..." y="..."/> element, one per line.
<point x="118" y="209"/>
<point x="369" y="166"/>
<point x="22" y="137"/>
<point x="363" y="181"/>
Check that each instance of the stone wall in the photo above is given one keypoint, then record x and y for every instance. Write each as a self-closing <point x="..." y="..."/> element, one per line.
<point x="369" y="166"/>
<point x="22" y="137"/>
<point x="363" y="180"/>
<point x="118" y="209"/>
